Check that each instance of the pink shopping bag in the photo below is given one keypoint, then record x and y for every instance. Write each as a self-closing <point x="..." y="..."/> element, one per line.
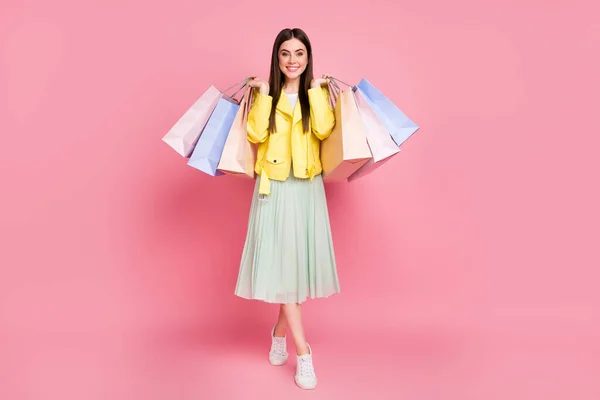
<point x="184" y="135"/>
<point x="382" y="145"/>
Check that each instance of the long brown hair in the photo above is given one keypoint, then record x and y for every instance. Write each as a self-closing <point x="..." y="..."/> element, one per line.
<point x="276" y="77"/>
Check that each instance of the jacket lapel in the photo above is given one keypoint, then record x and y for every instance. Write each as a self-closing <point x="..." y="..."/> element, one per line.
<point x="285" y="107"/>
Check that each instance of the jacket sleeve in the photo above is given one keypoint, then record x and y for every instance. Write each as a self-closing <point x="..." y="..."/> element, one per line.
<point x="258" y="118"/>
<point x="322" y="117"/>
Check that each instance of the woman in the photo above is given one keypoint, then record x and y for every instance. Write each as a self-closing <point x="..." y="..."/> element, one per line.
<point x="288" y="255"/>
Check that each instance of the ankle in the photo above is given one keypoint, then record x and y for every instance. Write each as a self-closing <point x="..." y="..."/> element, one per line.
<point x="279" y="331"/>
<point x="302" y="350"/>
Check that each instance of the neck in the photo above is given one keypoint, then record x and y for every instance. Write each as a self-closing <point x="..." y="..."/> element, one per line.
<point x="291" y="86"/>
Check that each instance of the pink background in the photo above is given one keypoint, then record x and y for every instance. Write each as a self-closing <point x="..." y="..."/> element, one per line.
<point x="467" y="263"/>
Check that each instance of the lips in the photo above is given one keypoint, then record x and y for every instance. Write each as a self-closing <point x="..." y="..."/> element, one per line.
<point x="292" y="69"/>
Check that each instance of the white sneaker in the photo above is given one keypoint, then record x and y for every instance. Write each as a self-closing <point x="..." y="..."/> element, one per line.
<point x="278" y="354"/>
<point x="305" y="372"/>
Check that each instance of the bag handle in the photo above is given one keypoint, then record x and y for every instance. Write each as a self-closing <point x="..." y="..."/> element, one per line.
<point x="340" y="81"/>
<point x="249" y="95"/>
<point x="335" y="83"/>
<point x="334" y="92"/>
<point x="242" y="84"/>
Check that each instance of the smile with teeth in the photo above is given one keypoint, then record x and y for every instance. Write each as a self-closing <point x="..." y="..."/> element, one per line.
<point x="292" y="69"/>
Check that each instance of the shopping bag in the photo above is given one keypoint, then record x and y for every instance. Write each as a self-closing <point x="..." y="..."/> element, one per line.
<point x="208" y="149"/>
<point x="395" y="121"/>
<point x="346" y="149"/>
<point x="239" y="155"/>
<point x="382" y="146"/>
<point x="184" y="135"/>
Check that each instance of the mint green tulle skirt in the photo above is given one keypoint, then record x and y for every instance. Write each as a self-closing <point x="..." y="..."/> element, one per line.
<point x="288" y="256"/>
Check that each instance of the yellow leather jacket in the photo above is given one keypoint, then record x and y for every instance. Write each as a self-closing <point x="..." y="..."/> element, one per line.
<point x="289" y="145"/>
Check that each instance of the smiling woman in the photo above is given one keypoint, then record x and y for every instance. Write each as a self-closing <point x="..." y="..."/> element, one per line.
<point x="288" y="256"/>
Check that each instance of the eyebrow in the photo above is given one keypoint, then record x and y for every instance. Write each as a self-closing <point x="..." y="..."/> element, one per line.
<point x="282" y="50"/>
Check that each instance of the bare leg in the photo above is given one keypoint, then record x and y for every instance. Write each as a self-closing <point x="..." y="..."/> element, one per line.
<point x="293" y="315"/>
<point x="282" y="325"/>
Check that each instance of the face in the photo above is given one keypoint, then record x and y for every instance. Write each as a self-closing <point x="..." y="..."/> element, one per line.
<point x="293" y="58"/>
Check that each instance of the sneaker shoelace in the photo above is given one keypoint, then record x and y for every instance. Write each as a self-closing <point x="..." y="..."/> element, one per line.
<point x="278" y="347"/>
<point x="306" y="367"/>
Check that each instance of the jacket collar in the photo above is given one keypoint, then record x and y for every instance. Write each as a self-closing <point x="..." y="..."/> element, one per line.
<point x="285" y="107"/>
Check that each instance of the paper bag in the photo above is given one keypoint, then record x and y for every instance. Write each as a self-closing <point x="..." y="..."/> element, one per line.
<point x="395" y="121"/>
<point x="208" y="150"/>
<point x="346" y="149"/>
<point x="380" y="142"/>
<point x="182" y="137"/>
<point x="239" y="155"/>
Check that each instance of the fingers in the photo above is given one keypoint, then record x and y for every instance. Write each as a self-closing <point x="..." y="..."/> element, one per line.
<point x="326" y="79"/>
<point x="256" y="82"/>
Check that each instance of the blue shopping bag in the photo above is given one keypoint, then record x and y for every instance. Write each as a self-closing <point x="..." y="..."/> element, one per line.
<point x="395" y="121"/>
<point x="208" y="150"/>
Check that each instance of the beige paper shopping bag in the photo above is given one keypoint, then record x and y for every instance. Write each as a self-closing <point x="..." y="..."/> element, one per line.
<point x="346" y="149"/>
<point x="239" y="155"/>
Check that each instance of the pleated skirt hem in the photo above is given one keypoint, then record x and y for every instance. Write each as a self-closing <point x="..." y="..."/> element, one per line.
<point x="268" y="299"/>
